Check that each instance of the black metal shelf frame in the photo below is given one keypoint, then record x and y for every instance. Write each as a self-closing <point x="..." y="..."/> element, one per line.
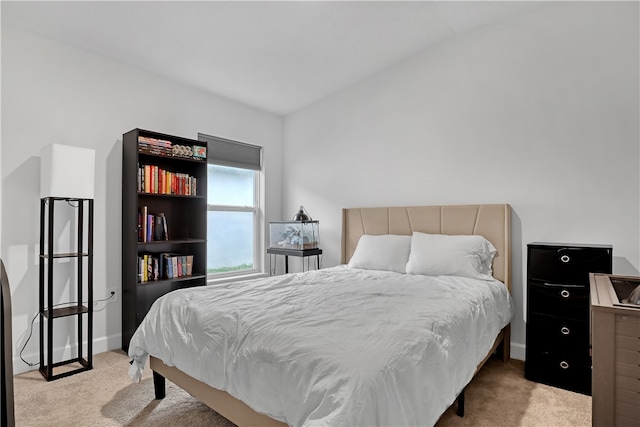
<point x="47" y="312"/>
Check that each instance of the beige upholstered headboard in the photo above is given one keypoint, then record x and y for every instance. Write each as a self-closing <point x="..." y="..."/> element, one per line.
<point x="491" y="221"/>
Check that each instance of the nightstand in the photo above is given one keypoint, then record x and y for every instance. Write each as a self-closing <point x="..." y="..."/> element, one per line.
<point x="558" y="350"/>
<point x="303" y="253"/>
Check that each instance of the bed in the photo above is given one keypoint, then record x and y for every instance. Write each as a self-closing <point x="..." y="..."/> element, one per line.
<point x="346" y="345"/>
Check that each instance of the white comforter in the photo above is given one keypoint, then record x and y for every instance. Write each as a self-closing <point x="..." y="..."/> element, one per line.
<point x="338" y="346"/>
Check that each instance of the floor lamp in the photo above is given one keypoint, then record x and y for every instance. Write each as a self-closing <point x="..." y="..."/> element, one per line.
<point x="67" y="178"/>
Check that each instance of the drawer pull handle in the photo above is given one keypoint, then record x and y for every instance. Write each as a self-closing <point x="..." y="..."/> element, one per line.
<point x="565" y="258"/>
<point x="565" y="330"/>
<point x="564" y="365"/>
<point x="565" y="293"/>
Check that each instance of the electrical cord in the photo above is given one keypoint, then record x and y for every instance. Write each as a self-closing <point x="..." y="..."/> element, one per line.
<point x="68" y="202"/>
<point x="57" y="305"/>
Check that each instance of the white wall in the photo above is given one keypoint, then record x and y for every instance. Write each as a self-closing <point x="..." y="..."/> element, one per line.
<point x="540" y="112"/>
<point x="55" y="94"/>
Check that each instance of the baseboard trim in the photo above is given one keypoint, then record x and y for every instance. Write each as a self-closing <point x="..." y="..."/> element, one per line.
<point x="114" y="342"/>
<point x="100" y="345"/>
<point x="518" y="351"/>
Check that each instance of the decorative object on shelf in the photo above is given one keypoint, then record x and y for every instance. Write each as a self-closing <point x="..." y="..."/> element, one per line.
<point x="193" y="152"/>
<point x="182" y="151"/>
<point x="67" y="175"/>
<point x="302" y="232"/>
<point x="200" y="152"/>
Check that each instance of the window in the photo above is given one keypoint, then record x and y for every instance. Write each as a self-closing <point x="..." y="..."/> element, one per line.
<point x="233" y="207"/>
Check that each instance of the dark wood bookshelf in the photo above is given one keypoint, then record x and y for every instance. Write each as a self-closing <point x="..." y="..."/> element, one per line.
<point x="185" y="215"/>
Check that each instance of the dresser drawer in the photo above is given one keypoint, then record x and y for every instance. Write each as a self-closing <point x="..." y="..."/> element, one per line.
<point x="565" y="335"/>
<point x="559" y="300"/>
<point x="622" y="421"/>
<point x="627" y="415"/>
<point x="553" y="367"/>
<point x="557" y="352"/>
<point x="628" y="370"/>
<point x="567" y="265"/>
<point x="628" y="325"/>
<point x="629" y="397"/>
<point x="628" y="383"/>
<point x="627" y="356"/>
<point x="628" y="343"/>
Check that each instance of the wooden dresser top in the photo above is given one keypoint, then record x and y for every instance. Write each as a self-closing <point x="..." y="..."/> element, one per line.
<point x="603" y="295"/>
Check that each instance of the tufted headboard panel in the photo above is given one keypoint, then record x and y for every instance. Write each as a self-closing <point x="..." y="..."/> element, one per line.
<point x="491" y="221"/>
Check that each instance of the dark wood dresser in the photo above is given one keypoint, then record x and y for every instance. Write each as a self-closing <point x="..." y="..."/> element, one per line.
<point x="615" y="337"/>
<point x="557" y="351"/>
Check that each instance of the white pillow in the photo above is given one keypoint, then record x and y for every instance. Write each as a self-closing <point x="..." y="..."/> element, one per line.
<point x="387" y="252"/>
<point x="445" y="255"/>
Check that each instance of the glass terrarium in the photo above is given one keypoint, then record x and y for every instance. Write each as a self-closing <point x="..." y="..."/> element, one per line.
<point x="296" y="235"/>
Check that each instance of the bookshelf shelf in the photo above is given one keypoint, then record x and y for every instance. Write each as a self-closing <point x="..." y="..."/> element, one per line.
<point x="144" y="155"/>
<point x="196" y="277"/>
<point x="174" y="189"/>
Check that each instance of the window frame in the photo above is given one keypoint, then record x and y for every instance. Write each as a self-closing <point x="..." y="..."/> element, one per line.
<point x="240" y="155"/>
<point x="257" y="230"/>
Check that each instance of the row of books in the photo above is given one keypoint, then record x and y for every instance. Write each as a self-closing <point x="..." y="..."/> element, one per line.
<point x="155" y="180"/>
<point x="152" y="227"/>
<point x="164" y="266"/>
<point x="163" y="147"/>
<point x="154" y="145"/>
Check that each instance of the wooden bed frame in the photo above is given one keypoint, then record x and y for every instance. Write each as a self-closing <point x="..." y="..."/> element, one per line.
<point x="491" y="221"/>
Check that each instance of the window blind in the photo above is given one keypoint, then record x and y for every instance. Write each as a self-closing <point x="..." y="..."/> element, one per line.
<point x="236" y="154"/>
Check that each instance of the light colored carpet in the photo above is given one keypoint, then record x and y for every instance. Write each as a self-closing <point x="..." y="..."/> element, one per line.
<point x="105" y="396"/>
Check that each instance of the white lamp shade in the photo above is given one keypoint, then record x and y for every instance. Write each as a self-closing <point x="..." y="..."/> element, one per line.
<point x="67" y="171"/>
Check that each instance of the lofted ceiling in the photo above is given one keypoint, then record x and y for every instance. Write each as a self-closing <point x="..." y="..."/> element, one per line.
<point x="276" y="56"/>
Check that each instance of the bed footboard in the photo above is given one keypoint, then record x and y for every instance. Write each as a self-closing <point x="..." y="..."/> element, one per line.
<point x="222" y="402"/>
<point x="501" y="347"/>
